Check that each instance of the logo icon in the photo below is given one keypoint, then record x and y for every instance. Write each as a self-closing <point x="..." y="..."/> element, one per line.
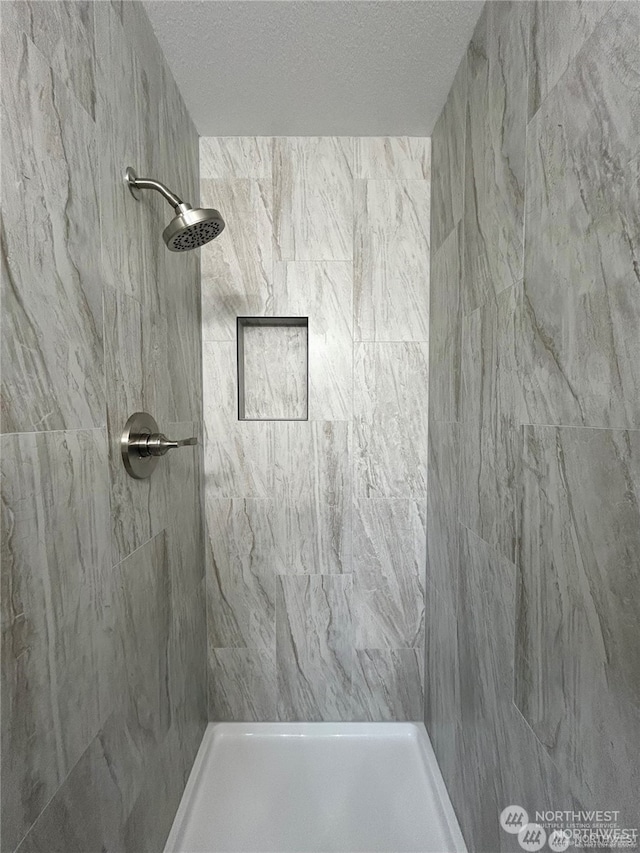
<point x="513" y="819"/>
<point x="532" y="837"/>
<point x="559" y="840"/>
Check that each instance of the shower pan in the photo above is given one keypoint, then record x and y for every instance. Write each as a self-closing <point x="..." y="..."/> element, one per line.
<point x="315" y="788"/>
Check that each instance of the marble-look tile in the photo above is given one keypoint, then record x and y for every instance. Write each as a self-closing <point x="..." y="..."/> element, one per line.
<point x="387" y="684"/>
<point x="441" y="687"/>
<point x="390" y="424"/>
<point x="446" y="329"/>
<point x="558" y="31"/>
<point x="57" y="615"/>
<point x="314" y="647"/>
<point x="275" y="372"/>
<point x="237" y="268"/>
<point x="504" y="763"/>
<point x="447" y="161"/>
<point x="313" y="198"/>
<point x="486" y="629"/>
<point x="181" y="271"/>
<point x="125" y="232"/>
<point x="241" y="579"/>
<point x="229" y="157"/>
<point x="52" y="353"/>
<point x="242" y="685"/>
<point x="302" y="536"/>
<point x="389" y="557"/>
<point x="312" y="460"/>
<point x="392" y="158"/>
<point x="90" y="789"/>
<point x="491" y="413"/>
<point x="143" y="603"/>
<point x="239" y="455"/>
<point x="138" y="507"/>
<point x="184" y="338"/>
<point x="323" y="293"/>
<point x="495" y="152"/>
<point x="63" y="33"/>
<point x="391" y="260"/>
<point x="578" y="655"/>
<point x="312" y="496"/>
<point x="582" y="313"/>
<point x="186" y="667"/>
<point x="442" y="511"/>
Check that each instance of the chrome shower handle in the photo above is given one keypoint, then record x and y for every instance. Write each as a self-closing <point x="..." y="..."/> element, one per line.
<point x="157" y="444"/>
<point x="142" y="443"/>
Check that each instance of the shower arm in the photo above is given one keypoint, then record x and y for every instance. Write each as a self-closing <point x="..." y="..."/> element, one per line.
<point x="135" y="183"/>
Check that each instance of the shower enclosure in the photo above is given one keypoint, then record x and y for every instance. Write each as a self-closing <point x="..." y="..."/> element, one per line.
<point x="385" y="597"/>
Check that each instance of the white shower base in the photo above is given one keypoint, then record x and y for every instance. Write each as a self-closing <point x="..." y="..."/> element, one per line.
<point x="311" y="787"/>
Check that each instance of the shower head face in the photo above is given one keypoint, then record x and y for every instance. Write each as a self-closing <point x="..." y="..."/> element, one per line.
<point x="192" y="228"/>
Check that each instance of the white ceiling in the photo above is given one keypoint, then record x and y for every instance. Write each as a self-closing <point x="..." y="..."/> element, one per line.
<point x="314" y="67"/>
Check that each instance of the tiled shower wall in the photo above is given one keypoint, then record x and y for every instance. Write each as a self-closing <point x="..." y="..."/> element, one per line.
<point x="103" y="619"/>
<point x="316" y="529"/>
<point x="534" y="431"/>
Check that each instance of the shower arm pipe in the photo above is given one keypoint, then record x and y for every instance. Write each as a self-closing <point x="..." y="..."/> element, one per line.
<point x="136" y="183"/>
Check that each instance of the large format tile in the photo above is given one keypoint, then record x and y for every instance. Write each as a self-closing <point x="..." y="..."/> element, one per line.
<point x="486" y="628"/>
<point x="63" y="33"/>
<point x="558" y="31"/>
<point x="387" y="684"/>
<point x="446" y="328"/>
<point x="323" y="293"/>
<point x="57" y="617"/>
<point x="312" y="495"/>
<point x="314" y="644"/>
<point x="125" y="223"/>
<point x="390" y="422"/>
<point x="392" y="158"/>
<point x="491" y="413"/>
<point x="582" y="313"/>
<point x="241" y="580"/>
<point x="143" y="604"/>
<point x="52" y="291"/>
<point x="312" y="461"/>
<point x="495" y="152"/>
<point x="313" y="198"/>
<point x="242" y="685"/>
<point x="391" y="260"/>
<point x="134" y="383"/>
<point x="578" y="654"/>
<point x="239" y="455"/>
<point x="389" y="545"/>
<point x="237" y="267"/>
<point x="442" y="511"/>
<point x="91" y="788"/>
<point x="441" y="687"/>
<point x="230" y="157"/>
<point x="447" y="161"/>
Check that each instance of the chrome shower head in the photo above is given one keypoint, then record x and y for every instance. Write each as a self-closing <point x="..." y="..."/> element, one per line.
<point x="191" y="228"/>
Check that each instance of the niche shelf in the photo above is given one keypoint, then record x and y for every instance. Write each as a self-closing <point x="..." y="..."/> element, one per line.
<point x="273" y="368"/>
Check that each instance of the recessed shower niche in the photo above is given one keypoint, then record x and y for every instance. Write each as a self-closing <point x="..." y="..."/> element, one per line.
<point x="273" y="368"/>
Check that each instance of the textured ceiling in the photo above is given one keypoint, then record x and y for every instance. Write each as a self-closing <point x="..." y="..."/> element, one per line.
<point x="314" y="67"/>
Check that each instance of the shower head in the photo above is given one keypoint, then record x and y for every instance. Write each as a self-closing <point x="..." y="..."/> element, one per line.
<point x="191" y="228"/>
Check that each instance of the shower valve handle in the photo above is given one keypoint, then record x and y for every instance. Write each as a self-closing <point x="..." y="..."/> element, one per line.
<point x="142" y="444"/>
<point x="157" y="444"/>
